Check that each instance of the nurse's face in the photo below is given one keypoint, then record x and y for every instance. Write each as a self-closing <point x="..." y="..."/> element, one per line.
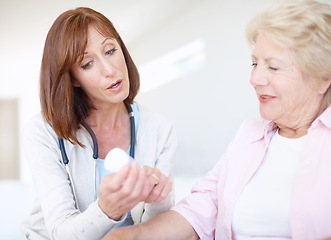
<point x="284" y="95"/>
<point x="103" y="73"/>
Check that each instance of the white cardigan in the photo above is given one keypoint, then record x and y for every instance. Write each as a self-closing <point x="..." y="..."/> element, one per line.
<point x="54" y="215"/>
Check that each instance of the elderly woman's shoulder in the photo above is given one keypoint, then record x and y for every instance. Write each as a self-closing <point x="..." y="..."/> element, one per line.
<point x="256" y="122"/>
<point x="253" y="128"/>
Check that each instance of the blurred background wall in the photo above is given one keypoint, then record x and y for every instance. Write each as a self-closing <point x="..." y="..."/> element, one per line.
<point x="194" y="64"/>
<point x="192" y="56"/>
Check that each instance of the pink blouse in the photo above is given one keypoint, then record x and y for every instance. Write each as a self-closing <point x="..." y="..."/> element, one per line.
<point x="210" y="207"/>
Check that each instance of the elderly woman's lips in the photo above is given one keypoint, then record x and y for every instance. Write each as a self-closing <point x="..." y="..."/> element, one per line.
<point x="265" y="98"/>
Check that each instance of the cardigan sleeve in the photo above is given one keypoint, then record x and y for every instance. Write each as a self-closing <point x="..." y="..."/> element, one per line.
<point x="57" y="207"/>
<point x="164" y="162"/>
<point x="156" y="145"/>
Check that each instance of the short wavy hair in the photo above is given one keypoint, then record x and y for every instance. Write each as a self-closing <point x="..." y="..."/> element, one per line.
<point x="302" y="26"/>
<point x="64" y="106"/>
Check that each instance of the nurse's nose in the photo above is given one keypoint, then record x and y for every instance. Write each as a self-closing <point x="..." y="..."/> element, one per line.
<point x="106" y="67"/>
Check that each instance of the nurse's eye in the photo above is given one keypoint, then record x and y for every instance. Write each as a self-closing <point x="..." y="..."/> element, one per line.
<point x="111" y="51"/>
<point x="254" y="64"/>
<point x="87" y="65"/>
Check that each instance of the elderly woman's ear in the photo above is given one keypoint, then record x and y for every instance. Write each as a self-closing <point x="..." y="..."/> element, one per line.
<point x="325" y="85"/>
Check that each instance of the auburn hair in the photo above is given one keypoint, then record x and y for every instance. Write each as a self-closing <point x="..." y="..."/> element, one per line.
<point x="64" y="106"/>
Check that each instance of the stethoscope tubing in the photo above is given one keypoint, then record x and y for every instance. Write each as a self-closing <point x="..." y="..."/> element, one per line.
<point x="95" y="156"/>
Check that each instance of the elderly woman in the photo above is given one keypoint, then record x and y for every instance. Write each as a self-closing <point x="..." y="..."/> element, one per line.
<point x="274" y="180"/>
<point x="88" y="83"/>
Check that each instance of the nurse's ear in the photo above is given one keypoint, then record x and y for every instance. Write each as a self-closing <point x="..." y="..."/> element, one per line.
<point x="75" y="83"/>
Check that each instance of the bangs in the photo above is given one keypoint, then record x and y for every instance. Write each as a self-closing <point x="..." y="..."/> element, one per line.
<point x="106" y="31"/>
<point x="77" y="32"/>
<point x="77" y="38"/>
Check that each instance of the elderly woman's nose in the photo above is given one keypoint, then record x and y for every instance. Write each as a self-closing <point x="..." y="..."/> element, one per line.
<point x="258" y="77"/>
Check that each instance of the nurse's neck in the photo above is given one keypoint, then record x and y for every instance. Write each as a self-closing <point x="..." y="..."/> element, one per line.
<point x="108" y="117"/>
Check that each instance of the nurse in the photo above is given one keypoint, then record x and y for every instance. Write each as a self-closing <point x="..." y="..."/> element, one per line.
<point x="88" y="83"/>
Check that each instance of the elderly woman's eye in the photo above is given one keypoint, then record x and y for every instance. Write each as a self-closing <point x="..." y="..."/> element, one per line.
<point x="273" y="68"/>
<point x="254" y="64"/>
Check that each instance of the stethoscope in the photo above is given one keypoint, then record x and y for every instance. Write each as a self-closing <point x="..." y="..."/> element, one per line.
<point x="95" y="155"/>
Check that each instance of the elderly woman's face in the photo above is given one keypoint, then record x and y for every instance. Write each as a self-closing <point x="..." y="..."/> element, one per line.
<point x="285" y="96"/>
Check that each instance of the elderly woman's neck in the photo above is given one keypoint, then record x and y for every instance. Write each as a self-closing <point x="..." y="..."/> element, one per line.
<point x="300" y="128"/>
<point x="293" y="133"/>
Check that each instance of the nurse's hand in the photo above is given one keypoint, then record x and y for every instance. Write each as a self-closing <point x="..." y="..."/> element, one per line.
<point x="121" y="191"/>
<point x="162" y="185"/>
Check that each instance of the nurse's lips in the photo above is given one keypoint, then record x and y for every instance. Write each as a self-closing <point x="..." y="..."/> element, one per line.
<point x="115" y="85"/>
